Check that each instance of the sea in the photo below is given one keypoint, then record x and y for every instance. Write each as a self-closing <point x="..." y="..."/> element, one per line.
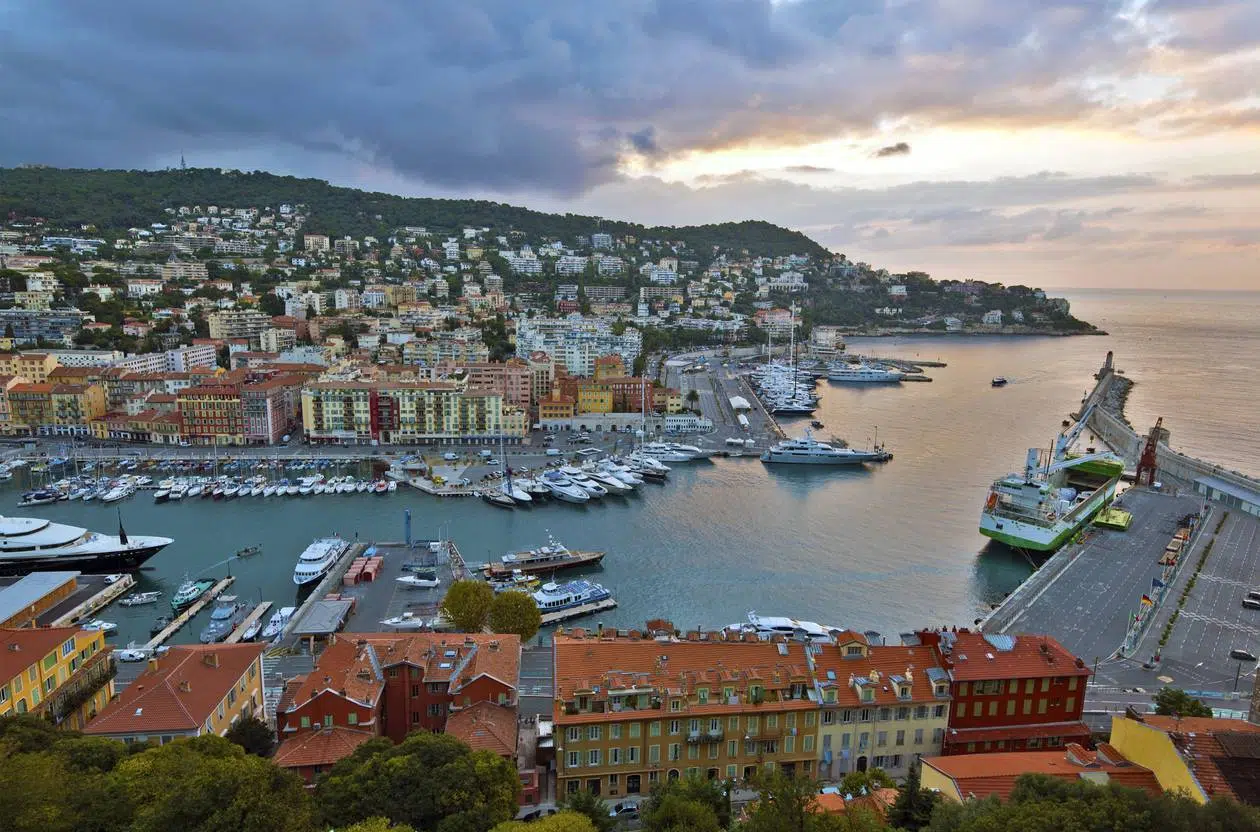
<point x="890" y="548"/>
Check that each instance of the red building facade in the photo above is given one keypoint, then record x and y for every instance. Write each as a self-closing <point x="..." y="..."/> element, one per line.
<point x="1010" y="693"/>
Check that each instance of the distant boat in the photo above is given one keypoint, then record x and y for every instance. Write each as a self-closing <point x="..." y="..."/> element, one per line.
<point x="406" y="621"/>
<point x="417" y="582"/>
<point x="140" y="598"/>
<point x="999" y="381"/>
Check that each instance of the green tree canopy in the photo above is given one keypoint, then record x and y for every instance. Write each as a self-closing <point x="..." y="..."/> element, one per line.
<point x="912" y="810"/>
<point x="515" y="612"/>
<point x="430" y="781"/>
<point x="252" y="734"/>
<point x="559" y="822"/>
<point x="674" y="804"/>
<point x="378" y="824"/>
<point x="592" y="807"/>
<point x="467" y="605"/>
<point x="1176" y="702"/>
<point x="855" y="782"/>
<point x="271" y="303"/>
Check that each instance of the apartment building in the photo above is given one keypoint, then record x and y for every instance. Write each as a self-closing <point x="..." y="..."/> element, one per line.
<point x="33" y="366"/>
<point x="387" y="685"/>
<point x="631" y="709"/>
<point x="882" y="706"/>
<point x="406" y="412"/>
<point x="441" y="349"/>
<point x="226" y="324"/>
<point x="316" y="242"/>
<point x="212" y="414"/>
<point x="30" y="406"/>
<point x="76" y="405"/>
<point x="61" y="673"/>
<point x="267" y="408"/>
<point x="511" y="379"/>
<point x="1009" y="693"/>
<point x="576" y="342"/>
<point x="175" y="270"/>
<point x="190" y="691"/>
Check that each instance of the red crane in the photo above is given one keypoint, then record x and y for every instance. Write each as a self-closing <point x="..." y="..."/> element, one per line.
<point x="1147" y="463"/>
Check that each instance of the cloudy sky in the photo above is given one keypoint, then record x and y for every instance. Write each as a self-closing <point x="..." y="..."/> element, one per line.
<point x="1056" y="142"/>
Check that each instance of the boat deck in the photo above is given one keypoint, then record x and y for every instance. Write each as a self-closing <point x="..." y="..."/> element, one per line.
<point x="556" y="617"/>
<point x="255" y="614"/>
<point x="187" y="615"/>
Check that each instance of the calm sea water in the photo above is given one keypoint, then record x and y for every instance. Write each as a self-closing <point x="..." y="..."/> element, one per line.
<point x="888" y="549"/>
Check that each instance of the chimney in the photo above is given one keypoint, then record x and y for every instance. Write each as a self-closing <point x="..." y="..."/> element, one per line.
<point x="153" y="663"/>
<point x="14" y="646"/>
<point x="210" y="659"/>
<point x="185" y="686"/>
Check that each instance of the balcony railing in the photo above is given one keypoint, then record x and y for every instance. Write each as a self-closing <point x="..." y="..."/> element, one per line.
<point x="91" y="676"/>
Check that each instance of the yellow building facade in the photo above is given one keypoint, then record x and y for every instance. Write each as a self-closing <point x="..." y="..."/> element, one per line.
<point x="62" y="673"/>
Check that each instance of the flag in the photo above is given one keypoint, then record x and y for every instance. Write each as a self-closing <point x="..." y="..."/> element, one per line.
<point x="1147" y="602"/>
<point x="1157" y="583"/>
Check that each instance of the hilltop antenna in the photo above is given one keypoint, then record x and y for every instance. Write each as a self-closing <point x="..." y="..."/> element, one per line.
<point x="182" y="164"/>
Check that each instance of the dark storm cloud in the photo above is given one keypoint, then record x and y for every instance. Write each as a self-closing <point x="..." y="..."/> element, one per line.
<point x="898" y="149"/>
<point x="512" y="95"/>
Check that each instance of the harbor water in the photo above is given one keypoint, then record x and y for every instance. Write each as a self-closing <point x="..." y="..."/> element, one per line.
<point x="888" y="548"/>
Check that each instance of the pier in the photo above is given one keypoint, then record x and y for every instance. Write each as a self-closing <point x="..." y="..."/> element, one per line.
<point x="556" y="617"/>
<point x="99" y="601"/>
<point x="188" y="614"/>
<point x="257" y="613"/>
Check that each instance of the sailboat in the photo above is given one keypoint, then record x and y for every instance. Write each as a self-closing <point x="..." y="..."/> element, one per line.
<point x="513" y="492"/>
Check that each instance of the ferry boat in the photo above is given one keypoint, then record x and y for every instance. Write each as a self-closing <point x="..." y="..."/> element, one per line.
<point x="276" y="624"/>
<point x="765" y="627"/>
<point x="864" y="374"/>
<point x="809" y="451"/>
<point x="999" y="381"/>
<point x="31" y="544"/>
<point x="1056" y="495"/>
<point x="225" y="618"/>
<point x="549" y="558"/>
<point x="318" y="558"/>
<point x="553" y="597"/>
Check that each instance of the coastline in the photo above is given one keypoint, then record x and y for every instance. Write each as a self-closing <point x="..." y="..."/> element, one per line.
<point x="970" y="333"/>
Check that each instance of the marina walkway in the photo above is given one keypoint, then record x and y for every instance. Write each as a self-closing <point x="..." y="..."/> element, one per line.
<point x="255" y="614"/>
<point x="1083" y="596"/>
<point x="188" y="614"/>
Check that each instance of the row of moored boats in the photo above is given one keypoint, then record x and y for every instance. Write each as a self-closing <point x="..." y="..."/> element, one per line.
<point x="592" y="480"/>
<point x="226" y="488"/>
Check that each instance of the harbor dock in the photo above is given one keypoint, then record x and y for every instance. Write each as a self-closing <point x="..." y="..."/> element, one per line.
<point x="556" y="617"/>
<point x="257" y="613"/>
<point x="187" y="615"/>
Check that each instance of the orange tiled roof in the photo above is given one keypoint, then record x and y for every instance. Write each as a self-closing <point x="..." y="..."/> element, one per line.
<point x="877" y="801"/>
<point x="497" y="655"/>
<point x="485" y="726"/>
<point x="1222" y="753"/>
<point x="19" y="649"/>
<point x="1040" y="730"/>
<point x="1199" y="725"/>
<point x="346" y="668"/>
<point x="905" y="663"/>
<point x="321" y="747"/>
<point x="1029" y="657"/>
<point x="982" y="775"/>
<point x="180" y="694"/>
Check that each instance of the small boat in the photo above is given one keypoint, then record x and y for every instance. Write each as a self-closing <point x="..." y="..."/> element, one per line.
<point x="99" y="625"/>
<point x="391" y="486"/>
<point x="252" y="631"/>
<point x="816" y="425"/>
<point x="161" y="496"/>
<point x="139" y="598"/>
<point x="195" y="490"/>
<point x="417" y="582"/>
<point x="406" y="621"/>
<point x="249" y="552"/>
<point x="275" y="626"/>
<point x="497" y="498"/>
<point x="363" y="487"/>
<point x="380" y="487"/>
<point x="269" y="490"/>
<point x="39" y="498"/>
<point x="159" y="624"/>
<point x="189" y="592"/>
<point x="177" y="493"/>
<point x="256" y="491"/>
<point x="999" y="381"/>
<point x="226" y="617"/>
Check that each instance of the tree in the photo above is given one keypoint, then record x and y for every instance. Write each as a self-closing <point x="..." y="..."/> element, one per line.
<point x="311" y="314"/>
<point x="378" y="824"/>
<point x="912" y="810"/>
<point x="467" y="605"/>
<point x="272" y="304"/>
<point x="559" y="822"/>
<point x="253" y="735"/>
<point x="8" y="332"/>
<point x="431" y="781"/>
<point x="693" y="397"/>
<point x="211" y="785"/>
<point x="592" y="807"/>
<point x="670" y="804"/>
<point x="1176" y="702"/>
<point x="865" y="782"/>
<point x="515" y="612"/>
<point x="675" y="813"/>
<point x="784" y="804"/>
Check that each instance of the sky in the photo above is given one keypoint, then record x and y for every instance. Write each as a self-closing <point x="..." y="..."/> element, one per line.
<point x="1061" y="143"/>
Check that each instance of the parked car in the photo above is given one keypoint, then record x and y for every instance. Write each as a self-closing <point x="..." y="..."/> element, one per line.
<point x="624" y="810"/>
<point x="450" y="456"/>
<point x="1238" y="654"/>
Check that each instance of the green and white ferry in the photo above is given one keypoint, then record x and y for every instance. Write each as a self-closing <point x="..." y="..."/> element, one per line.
<point x="1054" y="497"/>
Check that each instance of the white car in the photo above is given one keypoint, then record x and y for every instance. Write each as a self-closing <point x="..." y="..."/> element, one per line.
<point x="450" y="456"/>
<point x="131" y="655"/>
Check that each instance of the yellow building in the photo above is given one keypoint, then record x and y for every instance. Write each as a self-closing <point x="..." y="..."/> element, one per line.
<point x="556" y="406"/>
<point x="190" y="691"/>
<point x="594" y="398"/>
<point x="77" y="404"/>
<point x="30" y="405"/>
<point x="882" y="706"/>
<point x="62" y="673"/>
<point x="399" y="412"/>
<point x="631" y="710"/>
<point x="1185" y="753"/>
<point x="400" y="293"/>
<point x="6" y="412"/>
<point x="34" y="366"/>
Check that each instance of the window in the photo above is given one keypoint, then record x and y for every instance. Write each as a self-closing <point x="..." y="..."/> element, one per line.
<point x="592" y="757"/>
<point x="901" y="738"/>
<point x="789" y="744"/>
<point x="693" y="752"/>
<point x="971" y="747"/>
<point x="415" y="690"/>
<point x="828" y="717"/>
<point x="880" y="761"/>
<point x="865" y="715"/>
<point x="728" y="693"/>
<point x="754" y="691"/>
<point x="829" y="696"/>
<point x="938" y="734"/>
<point x="732" y="723"/>
<point x="809" y="719"/>
<point x="634" y="730"/>
<point x="961" y="710"/>
<point x="654" y="729"/>
<point x="675" y="726"/>
<point x="977" y="708"/>
<point x="790" y="720"/>
<point x="436" y="709"/>
<point x="903" y="713"/>
<point x="807" y="743"/>
<point x="614" y="732"/>
<point x="730" y="772"/>
<point x="1071" y="703"/>
<point x="772" y="721"/>
<point x="1012" y="686"/>
<point x="575" y="759"/>
<point x="1034" y="742"/>
<point x="1027" y="707"/>
<point x="327" y="720"/>
<point x="962" y="688"/>
<point x="1010" y="707"/>
<point x="614" y="756"/>
<point x="675" y="705"/>
<point x="853" y="650"/>
<point x="353" y="718"/>
<point x="67" y="648"/>
<point x="1045" y="684"/>
<point x="1041" y="705"/>
<point x="993" y="708"/>
<point x="674" y="751"/>
<point x="702" y="696"/>
<point x="574" y="734"/>
<point x="938" y="711"/>
<point x="921" y="712"/>
<point x="1028" y="686"/>
<point x="713" y="750"/>
<point x="306" y="722"/>
<point x="754" y="725"/>
<point x="654" y="753"/>
<point x="844" y="740"/>
<point x="918" y="736"/>
<point x="896" y="761"/>
<point x="693" y="726"/>
<point x="593" y="732"/>
<point x="1072" y="683"/>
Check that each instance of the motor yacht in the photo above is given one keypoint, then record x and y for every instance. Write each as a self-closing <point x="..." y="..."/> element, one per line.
<point x="809" y="451"/>
<point x="318" y="558"/>
<point x="553" y="597"/>
<point x="275" y="625"/>
<point x="562" y="488"/>
<point x="30" y="544"/>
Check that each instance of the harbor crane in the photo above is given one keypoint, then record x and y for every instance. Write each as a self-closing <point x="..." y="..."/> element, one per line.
<point x="1148" y="462"/>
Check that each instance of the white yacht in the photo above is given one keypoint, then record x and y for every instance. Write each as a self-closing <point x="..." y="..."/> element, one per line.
<point x="864" y="374"/>
<point x="275" y="626"/>
<point x="318" y="558"/>
<point x="554" y="597"/>
<point x="809" y="451"/>
<point x="765" y="626"/>
<point x="562" y="488"/>
<point x="29" y="544"/>
<point x="663" y="452"/>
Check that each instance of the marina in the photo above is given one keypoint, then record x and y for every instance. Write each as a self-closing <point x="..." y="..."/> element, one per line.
<point x="189" y="614"/>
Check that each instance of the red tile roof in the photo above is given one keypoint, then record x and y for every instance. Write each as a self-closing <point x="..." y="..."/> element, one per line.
<point x="877" y="801"/>
<point x="320" y="747"/>
<point x="977" y="655"/>
<point x="906" y="663"/>
<point x="180" y="693"/>
<point x="468" y="655"/>
<point x="346" y="668"/>
<point x="19" y="649"/>
<point x="982" y="775"/>
<point x="485" y="726"/>
<point x="1040" y="730"/>
<point x="1222" y="753"/>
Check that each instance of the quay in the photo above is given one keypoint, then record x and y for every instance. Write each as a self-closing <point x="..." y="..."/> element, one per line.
<point x="257" y="613"/>
<point x="98" y="601"/>
<point x="188" y="614"/>
<point x="329" y="583"/>
<point x="556" y="617"/>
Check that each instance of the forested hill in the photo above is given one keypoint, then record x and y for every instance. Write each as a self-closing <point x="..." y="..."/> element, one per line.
<point x="114" y="200"/>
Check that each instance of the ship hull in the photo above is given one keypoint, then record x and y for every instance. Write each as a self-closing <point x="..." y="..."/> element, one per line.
<point x="90" y="563"/>
<point x="1021" y="535"/>
<point x="834" y="462"/>
<point x="579" y="559"/>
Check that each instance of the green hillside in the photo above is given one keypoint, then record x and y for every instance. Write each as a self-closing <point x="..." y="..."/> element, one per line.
<point x="114" y="200"/>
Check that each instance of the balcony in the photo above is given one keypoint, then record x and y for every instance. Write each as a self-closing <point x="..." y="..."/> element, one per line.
<point x="714" y="736"/>
<point x="91" y="676"/>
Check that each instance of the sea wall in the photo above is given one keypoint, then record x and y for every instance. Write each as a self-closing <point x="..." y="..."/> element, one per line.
<point x="1112" y="429"/>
